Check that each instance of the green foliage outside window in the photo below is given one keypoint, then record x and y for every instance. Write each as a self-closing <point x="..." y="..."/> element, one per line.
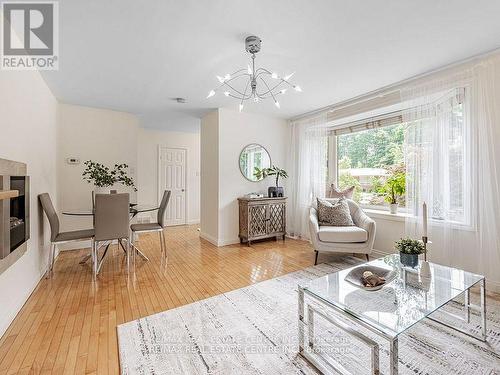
<point x="380" y="148"/>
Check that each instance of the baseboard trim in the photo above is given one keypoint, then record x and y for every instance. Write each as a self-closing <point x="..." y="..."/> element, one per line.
<point x="218" y="242"/>
<point x="232" y="241"/>
<point x="193" y="221"/>
<point x="209" y="238"/>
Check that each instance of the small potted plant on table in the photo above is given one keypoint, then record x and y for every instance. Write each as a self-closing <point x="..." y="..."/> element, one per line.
<point x="409" y="250"/>
<point x="273" y="191"/>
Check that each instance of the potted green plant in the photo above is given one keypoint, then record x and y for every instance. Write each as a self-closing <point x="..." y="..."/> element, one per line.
<point x="273" y="191"/>
<point x="409" y="250"/>
<point x="104" y="177"/>
<point x="394" y="188"/>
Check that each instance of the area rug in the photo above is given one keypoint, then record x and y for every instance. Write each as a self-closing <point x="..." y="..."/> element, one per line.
<point x="253" y="330"/>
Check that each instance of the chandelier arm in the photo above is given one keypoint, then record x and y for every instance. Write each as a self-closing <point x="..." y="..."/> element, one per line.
<point x="231" y="79"/>
<point x="237" y="76"/>
<point x="270" y="90"/>
<point x="246" y="88"/>
<point x="264" y="70"/>
<point x="265" y="83"/>
<point x="239" y="70"/>
<point x="236" y="97"/>
<point x="237" y="91"/>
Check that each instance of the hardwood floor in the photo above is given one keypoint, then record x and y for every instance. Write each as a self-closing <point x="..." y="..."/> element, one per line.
<point x="68" y="325"/>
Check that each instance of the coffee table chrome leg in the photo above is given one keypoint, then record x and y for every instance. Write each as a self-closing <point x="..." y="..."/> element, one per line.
<point x="326" y="363"/>
<point x="301" y="319"/>
<point x="467" y="305"/>
<point x="393" y="356"/>
<point x="310" y="326"/>
<point x="483" y="309"/>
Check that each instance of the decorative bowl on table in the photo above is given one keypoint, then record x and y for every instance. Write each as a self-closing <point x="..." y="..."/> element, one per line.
<point x="355" y="276"/>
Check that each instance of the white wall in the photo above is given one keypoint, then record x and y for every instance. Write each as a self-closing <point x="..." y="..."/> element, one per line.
<point x="28" y="134"/>
<point x="209" y="195"/>
<point x="100" y="135"/>
<point x="236" y="130"/>
<point x="147" y="167"/>
<point x="225" y="133"/>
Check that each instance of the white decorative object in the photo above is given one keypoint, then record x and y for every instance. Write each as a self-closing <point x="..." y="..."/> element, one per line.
<point x="101" y="189"/>
<point x="272" y="85"/>
<point x="393" y="208"/>
<point x="425" y="269"/>
<point x="424" y="219"/>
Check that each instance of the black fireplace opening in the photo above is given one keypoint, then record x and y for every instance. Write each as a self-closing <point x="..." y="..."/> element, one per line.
<point x="19" y="229"/>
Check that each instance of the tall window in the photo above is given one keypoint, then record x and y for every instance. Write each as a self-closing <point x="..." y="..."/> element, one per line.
<point x="368" y="159"/>
<point x="426" y="159"/>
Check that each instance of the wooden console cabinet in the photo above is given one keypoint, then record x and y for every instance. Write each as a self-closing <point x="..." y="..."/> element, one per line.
<point x="262" y="218"/>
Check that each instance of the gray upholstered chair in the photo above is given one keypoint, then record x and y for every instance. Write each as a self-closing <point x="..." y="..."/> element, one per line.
<point x="357" y="239"/>
<point x="57" y="237"/>
<point x="111" y="222"/>
<point x="158" y="226"/>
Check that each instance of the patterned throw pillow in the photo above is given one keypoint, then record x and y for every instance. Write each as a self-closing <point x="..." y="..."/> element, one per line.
<point x="336" y="193"/>
<point x="334" y="213"/>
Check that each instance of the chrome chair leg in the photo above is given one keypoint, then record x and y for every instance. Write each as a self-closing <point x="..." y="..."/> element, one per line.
<point x="50" y="264"/>
<point x="164" y="243"/>
<point x="53" y="257"/>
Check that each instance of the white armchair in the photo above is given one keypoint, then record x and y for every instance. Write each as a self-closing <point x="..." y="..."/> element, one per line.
<point x="353" y="239"/>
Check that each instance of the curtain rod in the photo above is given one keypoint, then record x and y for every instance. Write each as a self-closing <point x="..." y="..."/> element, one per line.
<point x="389" y="89"/>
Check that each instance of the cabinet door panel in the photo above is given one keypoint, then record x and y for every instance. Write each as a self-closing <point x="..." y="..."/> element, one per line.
<point x="257" y="220"/>
<point x="276" y="215"/>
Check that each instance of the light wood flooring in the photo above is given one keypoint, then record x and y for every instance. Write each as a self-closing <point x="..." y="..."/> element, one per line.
<point x="68" y="325"/>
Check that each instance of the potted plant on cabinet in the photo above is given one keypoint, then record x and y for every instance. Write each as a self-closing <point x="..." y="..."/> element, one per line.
<point x="273" y="191"/>
<point x="409" y="250"/>
<point x="104" y="177"/>
<point x="394" y="188"/>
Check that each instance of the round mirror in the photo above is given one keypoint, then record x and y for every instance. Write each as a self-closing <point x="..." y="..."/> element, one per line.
<point x="251" y="157"/>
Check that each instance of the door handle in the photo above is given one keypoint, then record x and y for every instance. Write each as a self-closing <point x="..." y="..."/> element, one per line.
<point x="183" y="190"/>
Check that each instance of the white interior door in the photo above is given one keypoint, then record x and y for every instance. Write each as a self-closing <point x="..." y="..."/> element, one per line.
<point x="173" y="177"/>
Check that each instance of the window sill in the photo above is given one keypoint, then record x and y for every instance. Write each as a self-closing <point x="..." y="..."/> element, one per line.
<point x="386" y="215"/>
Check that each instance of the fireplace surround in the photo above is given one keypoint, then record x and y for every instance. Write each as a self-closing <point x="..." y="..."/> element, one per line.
<point x="14" y="212"/>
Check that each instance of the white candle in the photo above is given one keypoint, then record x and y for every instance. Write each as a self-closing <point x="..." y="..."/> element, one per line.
<point x="424" y="219"/>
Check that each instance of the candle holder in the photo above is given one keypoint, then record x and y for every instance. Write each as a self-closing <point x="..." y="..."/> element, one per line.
<point x="425" y="269"/>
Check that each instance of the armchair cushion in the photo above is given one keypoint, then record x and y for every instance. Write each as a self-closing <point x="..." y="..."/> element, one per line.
<point x="350" y="234"/>
<point x="334" y="212"/>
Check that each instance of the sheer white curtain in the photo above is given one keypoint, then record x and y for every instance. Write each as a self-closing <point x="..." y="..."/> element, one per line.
<point x="308" y="170"/>
<point x="452" y="157"/>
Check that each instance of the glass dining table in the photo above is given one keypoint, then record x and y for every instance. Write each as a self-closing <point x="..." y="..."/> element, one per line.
<point x="135" y="209"/>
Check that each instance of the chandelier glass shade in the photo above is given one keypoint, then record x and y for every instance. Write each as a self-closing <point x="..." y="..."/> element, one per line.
<point x="254" y="84"/>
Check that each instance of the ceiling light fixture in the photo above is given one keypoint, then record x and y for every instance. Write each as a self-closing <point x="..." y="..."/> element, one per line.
<point x="250" y="77"/>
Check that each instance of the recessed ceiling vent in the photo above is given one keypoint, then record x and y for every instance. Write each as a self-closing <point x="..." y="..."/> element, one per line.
<point x="180" y="100"/>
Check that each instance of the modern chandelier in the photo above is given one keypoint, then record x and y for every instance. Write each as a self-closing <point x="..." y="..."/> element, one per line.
<point x="258" y="83"/>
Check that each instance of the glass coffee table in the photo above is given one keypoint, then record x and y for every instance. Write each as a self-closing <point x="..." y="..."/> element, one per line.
<point x="406" y="300"/>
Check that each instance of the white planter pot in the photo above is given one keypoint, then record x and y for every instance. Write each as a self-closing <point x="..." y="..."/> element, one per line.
<point x="393" y="208"/>
<point x="101" y="190"/>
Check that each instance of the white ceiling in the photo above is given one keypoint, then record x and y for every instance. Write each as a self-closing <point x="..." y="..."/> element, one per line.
<point x="135" y="56"/>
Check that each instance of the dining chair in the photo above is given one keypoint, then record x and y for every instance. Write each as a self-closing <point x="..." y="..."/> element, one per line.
<point x="111" y="218"/>
<point x="57" y="237"/>
<point x="160" y="224"/>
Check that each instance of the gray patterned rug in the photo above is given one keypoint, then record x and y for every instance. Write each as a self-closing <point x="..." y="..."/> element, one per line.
<point x="253" y="330"/>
